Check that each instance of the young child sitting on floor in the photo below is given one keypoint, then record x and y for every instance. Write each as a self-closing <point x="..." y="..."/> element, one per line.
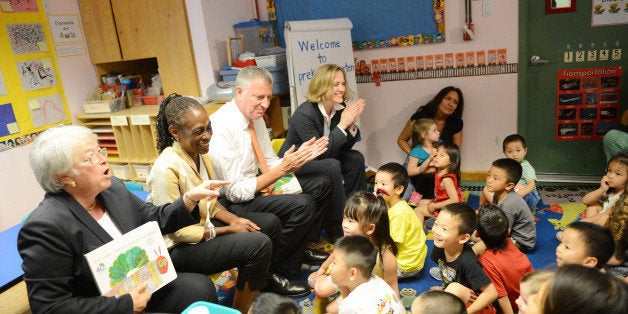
<point x="364" y="214"/>
<point x="436" y="301"/>
<point x="362" y="292"/>
<point x="586" y="244"/>
<point x="406" y="230"/>
<point x="425" y="136"/>
<point x="458" y="266"/>
<point x="446" y="181"/>
<point x="611" y="188"/>
<point x="515" y="148"/>
<point x="502" y="177"/>
<point x="529" y="286"/>
<point x="617" y="223"/>
<point x="502" y="261"/>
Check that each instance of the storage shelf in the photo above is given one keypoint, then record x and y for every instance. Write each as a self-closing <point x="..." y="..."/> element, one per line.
<point x="132" y="143"/>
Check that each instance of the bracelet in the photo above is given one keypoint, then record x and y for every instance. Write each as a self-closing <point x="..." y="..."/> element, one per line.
<point x="212" y="233"/>
<point x="187" y="198"/>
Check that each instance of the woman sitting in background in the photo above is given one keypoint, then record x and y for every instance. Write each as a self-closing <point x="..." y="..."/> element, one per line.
<point x="446" y="109"/>
<point x="85" y="208"/>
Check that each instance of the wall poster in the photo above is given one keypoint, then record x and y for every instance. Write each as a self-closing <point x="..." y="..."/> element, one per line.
<point x="587" y="102"/>
<point x="605" y="12"/>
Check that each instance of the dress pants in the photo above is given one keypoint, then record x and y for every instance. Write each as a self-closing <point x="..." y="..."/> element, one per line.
<point x="296" y="213"/>
<point x="353" y="171"/>
<point x="186" y="289"/>
<point x="250" y="252"/>
<point x="331" y="215"/>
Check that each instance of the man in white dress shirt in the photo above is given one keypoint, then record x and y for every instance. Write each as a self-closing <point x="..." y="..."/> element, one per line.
<point x="234" y="160"/>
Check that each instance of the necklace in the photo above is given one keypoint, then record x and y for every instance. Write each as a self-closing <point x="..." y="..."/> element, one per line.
<point x="91" y="207"/>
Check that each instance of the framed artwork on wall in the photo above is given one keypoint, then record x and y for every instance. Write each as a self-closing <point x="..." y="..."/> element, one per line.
<point x="559" y="6"/>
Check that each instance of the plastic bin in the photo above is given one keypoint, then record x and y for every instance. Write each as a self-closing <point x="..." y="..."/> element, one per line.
<point x="141" y="171"/>
<point x="280" y="78"/>
<point x="257" y="35"/>
<point x="122" y="171"/>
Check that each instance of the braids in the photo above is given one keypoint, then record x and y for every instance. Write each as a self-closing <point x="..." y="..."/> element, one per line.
<point x="171" y="112"/>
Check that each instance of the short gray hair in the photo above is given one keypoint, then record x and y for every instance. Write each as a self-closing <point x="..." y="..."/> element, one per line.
<point x="53" y="154"/>
<point x="248" y="74"/>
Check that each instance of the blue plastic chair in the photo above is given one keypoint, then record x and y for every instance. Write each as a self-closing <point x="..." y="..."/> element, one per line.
<point x="201" y="307"/>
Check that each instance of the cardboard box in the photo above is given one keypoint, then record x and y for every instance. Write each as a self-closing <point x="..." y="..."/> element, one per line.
<point x="105" y="105"/>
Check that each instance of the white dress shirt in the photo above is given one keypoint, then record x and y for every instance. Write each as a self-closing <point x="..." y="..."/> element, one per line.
<point x="232" y="153"/>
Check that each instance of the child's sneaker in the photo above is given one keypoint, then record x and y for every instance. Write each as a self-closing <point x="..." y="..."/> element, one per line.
<point x="435" y="273"/>
<point x="429" y="223"/>
<point x="415" y="198"/>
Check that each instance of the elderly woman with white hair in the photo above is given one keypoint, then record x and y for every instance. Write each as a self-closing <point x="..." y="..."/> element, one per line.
<point x="84" y="208"/>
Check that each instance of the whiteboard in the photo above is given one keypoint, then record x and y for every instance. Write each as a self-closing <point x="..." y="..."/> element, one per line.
<point x="312" y="43"/>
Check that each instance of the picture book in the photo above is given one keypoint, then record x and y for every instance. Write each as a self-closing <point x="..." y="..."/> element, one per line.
<point x="138" y="256"/>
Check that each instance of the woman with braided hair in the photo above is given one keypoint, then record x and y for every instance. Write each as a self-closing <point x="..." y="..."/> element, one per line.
<point x="220" y="240"/>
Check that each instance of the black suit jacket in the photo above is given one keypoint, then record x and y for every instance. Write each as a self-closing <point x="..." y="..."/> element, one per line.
<point x="59" y="232"/>
<point x="308" y="121"/>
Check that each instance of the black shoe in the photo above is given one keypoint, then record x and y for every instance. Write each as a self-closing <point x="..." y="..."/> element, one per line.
<point x="313" y="257"/>
<point x="283" y="286"/>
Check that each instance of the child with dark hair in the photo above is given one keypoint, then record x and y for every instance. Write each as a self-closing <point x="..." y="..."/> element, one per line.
<point x="406" y="230"/>
<point x="268" y="302"/>
<point x="585" y="244"/>
<point x="446" y="181"/>
<point x="436" y="301"/>
<point x="500" y="182"/>
<point x="351" y="269"/>
<point x="611" y="188"/>
<point x="577" y="289"/>
<point x="458" y="266"/>
<point x="364" y="214"/>
<point x="504" y="264"/>
<point x="515" y="148"/>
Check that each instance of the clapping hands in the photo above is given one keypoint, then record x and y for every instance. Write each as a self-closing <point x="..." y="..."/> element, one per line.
<point x="293" y="160"/>
<point x="351" y="114"/>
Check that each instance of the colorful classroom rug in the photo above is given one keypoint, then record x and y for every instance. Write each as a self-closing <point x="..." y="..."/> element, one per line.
<point x="549" y="219"/>
<point x="564" y="194"/>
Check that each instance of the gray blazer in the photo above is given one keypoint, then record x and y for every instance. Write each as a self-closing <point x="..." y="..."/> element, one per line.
<point x="308" y="121"/>
<point x="59" y="232"/>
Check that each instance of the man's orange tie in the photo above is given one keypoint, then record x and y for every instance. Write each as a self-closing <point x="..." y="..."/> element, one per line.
<point x="259" y="155"/>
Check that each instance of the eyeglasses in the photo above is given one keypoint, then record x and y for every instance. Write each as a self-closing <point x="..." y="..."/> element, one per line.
<point x="94" y="158"/>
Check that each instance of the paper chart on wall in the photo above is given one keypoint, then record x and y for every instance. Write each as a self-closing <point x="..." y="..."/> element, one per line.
<point x="27" y="38"/>
<point x="36" y="74"/>
<point x="18" y="5"/>
<point x="3" y="86"/>
<point x="46" y="110"/>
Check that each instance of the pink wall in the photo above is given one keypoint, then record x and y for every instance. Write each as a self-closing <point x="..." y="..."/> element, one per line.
<point x="491" y="101"/>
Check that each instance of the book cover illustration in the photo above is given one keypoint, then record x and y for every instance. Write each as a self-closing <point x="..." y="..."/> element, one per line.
<point x="288" y="184"/>
<point x="138" y="256"/>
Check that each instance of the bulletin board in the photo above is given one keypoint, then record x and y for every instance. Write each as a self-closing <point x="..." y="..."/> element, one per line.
<point x="587" y="102"/>
<point x="376" y="24"/>
<point x="31" y="93"/>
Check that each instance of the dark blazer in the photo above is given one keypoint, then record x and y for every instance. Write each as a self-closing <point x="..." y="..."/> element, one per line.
<point x="59" y="232"/>
<point x="308" y="121"/>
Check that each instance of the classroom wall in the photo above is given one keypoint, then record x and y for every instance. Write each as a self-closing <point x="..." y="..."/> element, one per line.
<point x="491" y="101"/>
<point x="19" y="191"/>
